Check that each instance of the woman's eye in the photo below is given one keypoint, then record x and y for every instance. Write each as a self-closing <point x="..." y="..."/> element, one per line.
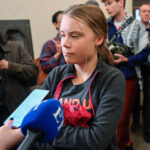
<point x="75" y="36"/>
<point x="62" y="35"/>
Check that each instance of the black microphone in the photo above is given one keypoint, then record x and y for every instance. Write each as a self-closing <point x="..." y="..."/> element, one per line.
<point x="42" y="124"/>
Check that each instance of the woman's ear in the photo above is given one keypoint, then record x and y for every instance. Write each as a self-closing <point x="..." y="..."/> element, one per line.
<point x="99" y="40"/>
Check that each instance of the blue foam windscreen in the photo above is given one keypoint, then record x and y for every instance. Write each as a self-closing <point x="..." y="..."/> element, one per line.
<point x="46" y="116"/>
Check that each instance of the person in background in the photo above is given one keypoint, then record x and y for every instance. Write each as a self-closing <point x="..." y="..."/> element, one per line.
<point x="144" y="12"/>
<point x="92" y="2"/>
<point x="17" y="73"/>
<point x="51" y="54"/>
<point x="88" y="82"/>
<point x="134" y="42"/>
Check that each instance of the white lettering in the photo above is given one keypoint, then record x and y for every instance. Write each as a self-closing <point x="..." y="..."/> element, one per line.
<point x="58" y="115"/>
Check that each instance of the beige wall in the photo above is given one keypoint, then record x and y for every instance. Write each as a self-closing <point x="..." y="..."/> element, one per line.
<point x="39" y="13"/>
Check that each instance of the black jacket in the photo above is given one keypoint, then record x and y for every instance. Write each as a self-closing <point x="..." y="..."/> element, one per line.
<point x="107" y="92"/>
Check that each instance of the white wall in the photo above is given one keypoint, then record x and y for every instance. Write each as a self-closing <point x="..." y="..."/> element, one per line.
<point x="39" y="13"/>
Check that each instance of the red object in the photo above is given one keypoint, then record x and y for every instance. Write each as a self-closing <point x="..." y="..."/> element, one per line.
<point x="123" y="136"/>
<point x="76" y="115"/>
<point x="42" y="75"/>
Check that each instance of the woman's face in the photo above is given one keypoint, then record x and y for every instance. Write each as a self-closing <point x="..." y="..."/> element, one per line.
<point x="78" y="41"/>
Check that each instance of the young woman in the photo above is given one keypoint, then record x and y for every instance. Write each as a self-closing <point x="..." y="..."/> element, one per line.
<point x="87" y="82"/>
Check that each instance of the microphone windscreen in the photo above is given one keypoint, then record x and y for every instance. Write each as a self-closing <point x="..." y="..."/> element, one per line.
<point x="47" y="116"/>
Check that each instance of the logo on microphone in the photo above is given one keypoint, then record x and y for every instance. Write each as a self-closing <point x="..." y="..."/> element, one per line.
<point x="58" y="115"/>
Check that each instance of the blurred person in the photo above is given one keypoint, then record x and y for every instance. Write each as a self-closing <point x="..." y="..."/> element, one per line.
<point x="88" y="81"/>
<point x="144" y="12"/>
<point x="17" y="73"/>
<point x="51" y="54"/>
<point x="92" y="2"/>
<point x="133" y="43"/>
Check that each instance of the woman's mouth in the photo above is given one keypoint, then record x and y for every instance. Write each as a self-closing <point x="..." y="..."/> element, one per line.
<point x="67" y="53"/>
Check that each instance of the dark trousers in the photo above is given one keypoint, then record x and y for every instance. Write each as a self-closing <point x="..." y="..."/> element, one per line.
<point x="136" y="108"/>
<point x="146" y="101"/>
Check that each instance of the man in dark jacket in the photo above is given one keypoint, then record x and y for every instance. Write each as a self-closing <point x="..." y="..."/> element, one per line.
<point x="17" y="72"/>
<point x="144" y="12"/>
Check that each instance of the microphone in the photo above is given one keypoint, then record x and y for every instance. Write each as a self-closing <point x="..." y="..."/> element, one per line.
<point x="42" y="123"/>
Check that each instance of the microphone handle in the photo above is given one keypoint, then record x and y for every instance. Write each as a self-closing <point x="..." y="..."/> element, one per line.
<point x="33" y="135"/>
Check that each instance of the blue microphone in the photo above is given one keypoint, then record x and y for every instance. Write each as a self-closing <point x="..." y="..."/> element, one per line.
<point x="42" y="123"/>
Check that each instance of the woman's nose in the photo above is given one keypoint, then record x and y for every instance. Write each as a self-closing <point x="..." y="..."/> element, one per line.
<point x="65" y="41"/>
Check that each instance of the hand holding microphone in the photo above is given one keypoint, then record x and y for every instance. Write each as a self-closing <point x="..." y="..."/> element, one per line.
<point x="42" y="123"/>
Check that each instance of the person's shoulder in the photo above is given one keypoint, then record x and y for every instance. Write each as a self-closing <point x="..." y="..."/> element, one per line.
<point x="113" y="72"/>
<point x="135" y="25"/>
<point x="48" y="42"/>
<point x="114" y="69"/>
<point x="57" y="38"/>
<point x="139" y="26"/>
<point x="109" y="19"/>
<point x="107" y="69"/>
<point x="51" y="40"/>
<point x="117" y="71"/>
<point x="115" y="76"/>
<point x="137" y="22"/>
<point x="59" y="73"/>
<point x="13" y="45"/>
